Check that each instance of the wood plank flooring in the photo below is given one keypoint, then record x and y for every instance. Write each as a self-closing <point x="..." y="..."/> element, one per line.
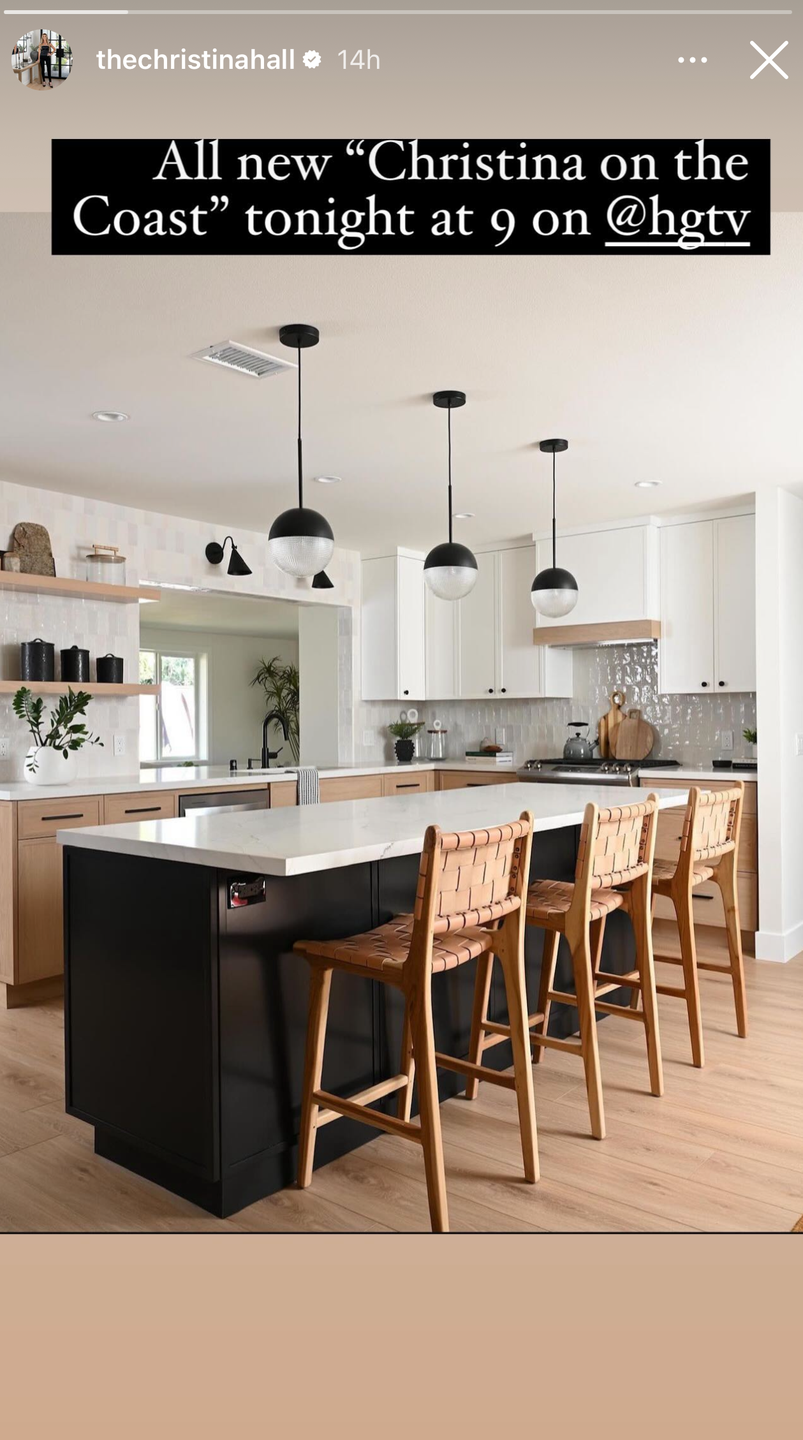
<point x="721" y="1151"/>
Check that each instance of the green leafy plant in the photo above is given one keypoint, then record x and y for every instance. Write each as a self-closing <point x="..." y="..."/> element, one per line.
<point x="64" y="730"/>
<point x="279" y="681"/>
<point x="404" y="729"/>
<point x="751" y="736"/>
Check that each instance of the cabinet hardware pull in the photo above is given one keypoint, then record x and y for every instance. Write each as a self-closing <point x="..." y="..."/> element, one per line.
<point x="490" y="690"/>
<point x="722" y="682"/>
<point x="408" y="785"/>
<point x="405" y="692"/>
<point x="141" y="809"/>
<point x="702" y="897"/>
<point x="704" y="684"/>
<point x="79" y="815"/>
<point x="504" y="691"/>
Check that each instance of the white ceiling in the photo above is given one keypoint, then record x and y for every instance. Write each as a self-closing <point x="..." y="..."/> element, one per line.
<point x="222" y="614"/>
<point x="682" y="369"/>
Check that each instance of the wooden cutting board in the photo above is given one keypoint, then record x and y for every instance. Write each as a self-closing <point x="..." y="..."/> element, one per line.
<point x="633" y="738"/>
<point x="609" y="724"/>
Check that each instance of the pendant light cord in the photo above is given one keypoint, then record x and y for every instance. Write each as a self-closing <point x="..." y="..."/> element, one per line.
<point x="554" y="540"/>
<point x="299" y="444"/>
<point x="449" y="442"/>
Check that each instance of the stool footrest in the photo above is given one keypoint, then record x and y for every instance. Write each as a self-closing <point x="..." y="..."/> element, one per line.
<point x="355" y="1111"/>
<point x="623" y="1010"/>
<point x="364" y="1097"/>
<point x="676" y="991"/>
<point x="562" y="997"/>
<point x="615" y="982"/>
<point x="572" y="1047"/>
<point x="717" y="969"/>
<point x="475" y="1072"/>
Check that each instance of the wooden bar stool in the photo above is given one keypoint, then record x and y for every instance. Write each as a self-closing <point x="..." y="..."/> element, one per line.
<point x="614" y="871"/>
<point x="709" y="849"/>
<point x="469" y="901"/>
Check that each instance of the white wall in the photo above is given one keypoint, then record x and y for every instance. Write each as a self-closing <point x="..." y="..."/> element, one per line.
<point x="779" y="625"/>
<point x="163" y="549"/>
<point x="319" y="683"/>
<point x="235" y="710"/>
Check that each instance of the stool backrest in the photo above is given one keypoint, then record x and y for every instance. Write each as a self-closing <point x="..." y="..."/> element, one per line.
<point x="616" y="845"/>
<point x="712" y="823"/>
<point x="474" y="878"/>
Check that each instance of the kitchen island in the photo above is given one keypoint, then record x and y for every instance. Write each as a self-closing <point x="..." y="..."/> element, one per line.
<point x="185" y="1005"/>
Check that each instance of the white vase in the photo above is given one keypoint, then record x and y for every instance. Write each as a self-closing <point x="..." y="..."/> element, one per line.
<point x="51" y="767"/>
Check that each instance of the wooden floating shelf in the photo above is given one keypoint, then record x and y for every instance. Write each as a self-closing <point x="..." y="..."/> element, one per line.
<point x="77" y="589"/>
<point x="612" y="632"/>
<point x="59" y="687"/>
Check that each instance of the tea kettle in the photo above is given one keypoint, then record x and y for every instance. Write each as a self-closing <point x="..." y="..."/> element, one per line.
<point x="578" y="747"/>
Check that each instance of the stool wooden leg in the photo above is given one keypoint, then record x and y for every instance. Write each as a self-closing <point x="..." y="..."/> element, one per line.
<point x="549" y="961"/>
<point x="420" y="999"/>
<point x="640" y="906"/>
<point x="406" y="1067"/>
<point x="682" y="901"/>
<point x="482" y="991"/>
<point x="578" y="939"/>
<point x="726" y="879"/>
<point x="511" y="954"/>
<point x="320" y="987"/>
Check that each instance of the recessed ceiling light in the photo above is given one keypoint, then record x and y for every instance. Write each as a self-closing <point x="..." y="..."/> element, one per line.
<point x="327" y="479"/>
<point x="464" y="515"/>
<point x="109" y="416"/>
<point x="646" y="484"/>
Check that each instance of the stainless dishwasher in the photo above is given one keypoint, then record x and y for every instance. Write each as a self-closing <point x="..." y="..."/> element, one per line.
<point x="223" y="803"/>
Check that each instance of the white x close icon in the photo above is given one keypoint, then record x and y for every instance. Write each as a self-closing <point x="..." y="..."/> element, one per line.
<point x="769" y="60"/>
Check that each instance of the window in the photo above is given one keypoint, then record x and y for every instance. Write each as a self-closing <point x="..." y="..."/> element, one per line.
<point x="172" y="725"/>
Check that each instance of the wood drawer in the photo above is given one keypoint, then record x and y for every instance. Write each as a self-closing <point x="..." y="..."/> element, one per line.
<point x="37" y="819"/>
<point x="407" y="784"/>
<point x="283" y="792"/>
<point x="707" y="904"/>
<point x="148" y="805"/>
<point x="351" y="787"/>
<point x="463" y="779"/>
<point x="750" y="806"/>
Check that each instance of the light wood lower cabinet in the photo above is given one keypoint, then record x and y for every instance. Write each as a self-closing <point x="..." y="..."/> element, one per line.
<point x="283" y="793"/>
<point x="123" y="809"/>
<point x="351" y="787"/>
<point x="408" y="784"/>
<point x="465" y="779"/>
<point x="40" y="939"/>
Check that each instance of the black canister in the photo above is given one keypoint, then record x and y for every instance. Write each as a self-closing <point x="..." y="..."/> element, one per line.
<point x="110" y="669"/>
<point x="74" y="664"/>
<point x="37" y="660"/>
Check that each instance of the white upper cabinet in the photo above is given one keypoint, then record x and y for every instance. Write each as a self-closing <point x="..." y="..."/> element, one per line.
<point x="393" y="664"/>
<point x="708" y="606"/>
<point x="735" y="603"/>
<point x="616" y="572"/>
<point x="477" y="623"/>
<point x="442" y="632"/>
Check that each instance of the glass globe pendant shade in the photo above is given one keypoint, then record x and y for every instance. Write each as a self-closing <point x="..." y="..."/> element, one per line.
<point x="450" y="571"/>
<point x="554" y="592"/>
<point x="301" y="542"/>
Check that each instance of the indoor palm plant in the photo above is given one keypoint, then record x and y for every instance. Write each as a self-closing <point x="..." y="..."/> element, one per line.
<point x="404" y="733"/>
<point x="279" y="681"/>
<point x="53" y="757"/>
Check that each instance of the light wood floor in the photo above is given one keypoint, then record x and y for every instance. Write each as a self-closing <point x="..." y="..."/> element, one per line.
<point x="722" y="1151"/>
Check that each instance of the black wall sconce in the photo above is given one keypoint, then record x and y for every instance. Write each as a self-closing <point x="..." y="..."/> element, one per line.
<point x="214" y="554"/>
<point x="321" y="581"/>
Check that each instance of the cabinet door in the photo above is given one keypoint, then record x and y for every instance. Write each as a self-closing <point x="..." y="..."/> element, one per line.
<point x="520" y="668"/>
<point x="478" y="633"/>
<point x="442" y="622"/>
<point x="611" y="570"/>
<point x="686" y="647"/>
<point x="410" y="628"/>
<point x="40" y="935"/>
<point x="735" y="603"/>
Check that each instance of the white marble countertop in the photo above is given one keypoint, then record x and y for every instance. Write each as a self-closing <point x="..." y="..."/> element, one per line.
<point x="182" y="777"/>
<point x="297" y="840"/>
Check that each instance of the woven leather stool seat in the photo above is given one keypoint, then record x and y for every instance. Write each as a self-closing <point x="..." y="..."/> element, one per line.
<point x="388" y="947"/>
<point x="548" y="903"/>
<point x="663" y="873"/>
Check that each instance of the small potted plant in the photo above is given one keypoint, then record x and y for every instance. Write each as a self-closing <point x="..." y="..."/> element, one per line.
<point x="53" y="757"/>
<point x="751" y="736"/>
<point x="404" y="733"/>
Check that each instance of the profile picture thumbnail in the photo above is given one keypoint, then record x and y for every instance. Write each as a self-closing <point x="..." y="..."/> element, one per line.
<point x="41" y="59"/>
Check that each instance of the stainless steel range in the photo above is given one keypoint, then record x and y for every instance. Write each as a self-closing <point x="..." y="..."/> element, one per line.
<point x="590" y="772"/>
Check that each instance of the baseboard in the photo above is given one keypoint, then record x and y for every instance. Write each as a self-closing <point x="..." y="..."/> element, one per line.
<point x="780" y="948"/>
<point x="13" y="997"/>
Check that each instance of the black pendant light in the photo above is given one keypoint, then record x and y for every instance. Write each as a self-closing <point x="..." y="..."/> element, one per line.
<point x="554" y="591"/>
<point x="237" y="565"/>
<point x="300" y="540"/>
<point x="450" y="570"/>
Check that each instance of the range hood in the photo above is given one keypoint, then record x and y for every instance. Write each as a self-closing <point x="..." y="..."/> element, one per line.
<point x="606" y="632"/>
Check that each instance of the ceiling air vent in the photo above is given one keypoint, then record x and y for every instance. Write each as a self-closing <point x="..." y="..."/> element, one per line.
<point x="233" y="356"/>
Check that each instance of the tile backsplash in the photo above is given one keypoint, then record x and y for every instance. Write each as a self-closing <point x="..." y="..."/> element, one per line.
<point x="687" y="726"/>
